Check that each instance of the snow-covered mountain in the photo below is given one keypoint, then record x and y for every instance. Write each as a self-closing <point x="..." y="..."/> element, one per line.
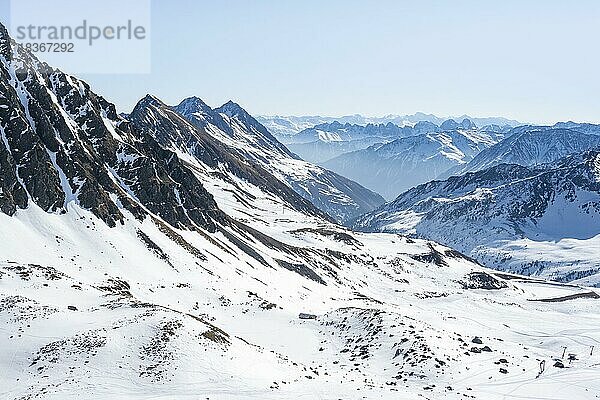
<point x="326" y="141"/>
<point x="283" y="126"/>
<point x="542" y="220"/>
<point x="338" y="132"/>
<point x="579" y="127"/>
<point x="394" y="167"/>
<point x="232" y="126"/>
<point x="527" y="145"/>
<point x="143" y="258"/>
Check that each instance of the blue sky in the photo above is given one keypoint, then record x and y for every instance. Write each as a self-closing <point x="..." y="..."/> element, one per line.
<point x="536" y="61"/>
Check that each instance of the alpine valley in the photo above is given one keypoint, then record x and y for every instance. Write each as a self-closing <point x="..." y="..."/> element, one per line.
<point x="170" y="253"/>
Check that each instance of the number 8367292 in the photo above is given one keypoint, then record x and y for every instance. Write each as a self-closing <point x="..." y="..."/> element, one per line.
<point x="50" y="47"/>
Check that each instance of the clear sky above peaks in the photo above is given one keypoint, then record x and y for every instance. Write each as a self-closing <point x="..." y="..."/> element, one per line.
<point x="535" y="61"/>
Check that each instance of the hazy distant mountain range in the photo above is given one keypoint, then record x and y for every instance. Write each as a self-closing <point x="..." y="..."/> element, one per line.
<point x="389" y="158"/>
<point x="392" y="167"/>
<point x="290" y="125"/>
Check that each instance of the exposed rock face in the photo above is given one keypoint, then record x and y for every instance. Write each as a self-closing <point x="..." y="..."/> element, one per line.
<point x="61" y="142"/>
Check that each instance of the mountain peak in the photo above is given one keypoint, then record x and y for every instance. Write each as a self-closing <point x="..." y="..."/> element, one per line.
<point x="6" y="45"/>
<point x="449" y="125"/>
<point x="193" y="100"/>
<point x="149" y="100"/>
<point x="467" y="124"/>
<point x="231" y="109"/>
<point x="4" y="36"/>
<point x="425" y="127"/>
<point x="192" y="105"/>
<point x="146" y="102"/>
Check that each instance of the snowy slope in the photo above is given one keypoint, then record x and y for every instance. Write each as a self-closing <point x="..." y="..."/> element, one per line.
<point x="537" y="221"/>
<point x="231" y="125"/>
<point x="396" y="166"/>
<point x="132" y="270"/>
<point x="394" y="316"/>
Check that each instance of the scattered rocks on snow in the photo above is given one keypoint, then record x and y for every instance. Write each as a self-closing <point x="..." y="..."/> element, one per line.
<point x="482" y="280"/>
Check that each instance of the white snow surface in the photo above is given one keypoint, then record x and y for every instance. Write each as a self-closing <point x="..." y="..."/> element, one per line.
<point x="90" y="312"/>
